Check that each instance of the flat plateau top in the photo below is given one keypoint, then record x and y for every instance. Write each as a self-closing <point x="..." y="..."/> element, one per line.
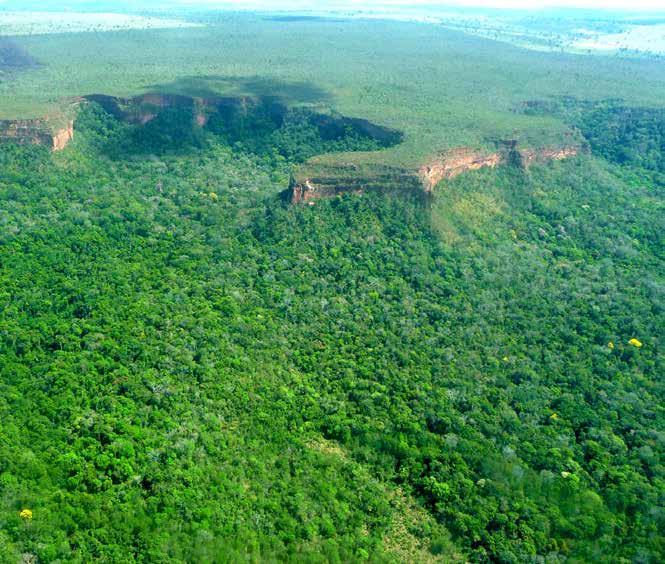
<point x="441" y="88"/>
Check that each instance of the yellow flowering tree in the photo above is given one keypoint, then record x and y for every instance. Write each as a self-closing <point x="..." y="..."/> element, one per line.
<point x="26" y="514"/>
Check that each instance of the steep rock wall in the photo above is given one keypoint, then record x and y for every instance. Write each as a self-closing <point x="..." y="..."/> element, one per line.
<point x="347" y="180"/>
<point x="461" y="160"/>
<point x="139" y="110"/>
<point x="25" y="132"/>
<point x="308" y="186"/>
<point x="530" y="157"/>
<point x="62" y="137"/>
<point x="36" y="132"/>
<point x="456" y="162"/>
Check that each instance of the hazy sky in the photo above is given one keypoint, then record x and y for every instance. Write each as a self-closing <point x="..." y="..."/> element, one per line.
<point x="600" y="4"/>
<point x="53" y="5"/>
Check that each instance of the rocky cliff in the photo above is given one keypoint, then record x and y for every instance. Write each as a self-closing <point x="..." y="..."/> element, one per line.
<point x="455" y="162"/>
<point x="62" y="137"/>
<point x="529" y="157"/>
<point x="36" y="132"/>
<point x="138" y="110"/>
<point x="313" y="180"/>
<point x="350" y="179"/>
<point x="311" y="184"/>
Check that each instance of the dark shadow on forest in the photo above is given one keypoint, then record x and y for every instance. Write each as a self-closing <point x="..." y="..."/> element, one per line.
<point x="14" y="58"/>
<point x="261" y="116"/>
<point x="290" y="92"/>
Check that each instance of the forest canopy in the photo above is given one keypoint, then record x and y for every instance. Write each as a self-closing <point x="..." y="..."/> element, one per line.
<point x="192" y="369"/>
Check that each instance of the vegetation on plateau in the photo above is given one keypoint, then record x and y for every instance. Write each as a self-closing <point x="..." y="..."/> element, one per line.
<point x="441" y="88"/>
<point x="192" y="370"/>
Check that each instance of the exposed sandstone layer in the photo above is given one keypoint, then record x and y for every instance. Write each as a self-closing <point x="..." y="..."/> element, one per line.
<point x="36" y="132"/>
<point x="313" y="181"/>
<point x="62" y="137"/>
<point x="308" y="187"/>
<point x="347" y="179"/>
<point x="533" y="156"/>
<point x="456" y="162"/>
<point x="138" y="110"/>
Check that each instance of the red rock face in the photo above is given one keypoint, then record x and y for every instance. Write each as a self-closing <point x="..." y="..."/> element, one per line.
<point x="25" y="132"/>
<point x="297" y="194"/>
<point x="62" y="137"/>
<point x="531" y="156"/>
<point x="302" y="193"/>
<point x="450" y="164"/>
<point x="456" y="162"/>
<point x="36" y="132"/>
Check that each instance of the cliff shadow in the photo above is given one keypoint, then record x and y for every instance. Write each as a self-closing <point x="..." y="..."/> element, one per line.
<point x="211" y="86"/>
<point x="14" y="58"/>
<point x="254" y="115"/>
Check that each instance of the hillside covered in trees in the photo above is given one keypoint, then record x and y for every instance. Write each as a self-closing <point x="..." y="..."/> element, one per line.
<point x="194" y="370"/>
<point x="191" y="367"/>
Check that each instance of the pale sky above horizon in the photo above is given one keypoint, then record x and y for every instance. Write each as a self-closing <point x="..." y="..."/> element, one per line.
<point x="319" y="5"/>
<point x="632" y="5"/>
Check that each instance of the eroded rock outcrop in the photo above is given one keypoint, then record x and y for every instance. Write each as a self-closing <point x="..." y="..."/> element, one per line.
<point x="455" y="162"/>
<point x="139" y="110"/>
<point x="314" y="180"/>
<point x="62" y="137"/>
<point x="349" y="179"/>
<point x="36" y="132"/>
<point x="308" y="186"/>
<point x="530" y="157"/>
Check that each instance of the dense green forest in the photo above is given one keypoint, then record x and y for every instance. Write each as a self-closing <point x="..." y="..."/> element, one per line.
<point x="619" y="133"/>
<point x="291" y="138"/>
<point x="193" y="370"/>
